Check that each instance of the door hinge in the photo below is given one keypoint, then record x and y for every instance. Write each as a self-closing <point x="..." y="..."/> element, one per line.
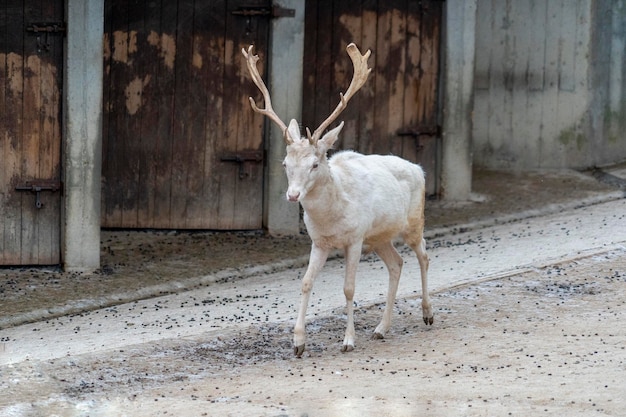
<point x="242" y="158"/>
<point x="273" y="11"/>
<point x="37" y="186"/>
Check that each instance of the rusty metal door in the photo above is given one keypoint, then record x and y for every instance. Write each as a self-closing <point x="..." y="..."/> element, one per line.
<point x="31" y="65"/>
<point x="397" y="110"/>
<point x="181" y="149"/>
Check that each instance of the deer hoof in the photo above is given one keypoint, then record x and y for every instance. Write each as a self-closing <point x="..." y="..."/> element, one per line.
<point x="429" y="320"/>
<point x="298" y="351"/>
<point x="347" y="348"/>
<point x="378" y="336"/>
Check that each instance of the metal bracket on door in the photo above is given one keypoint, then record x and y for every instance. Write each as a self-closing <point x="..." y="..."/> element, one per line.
<point x="241" y="158"/>
<point x="273" y="11"/>
<point x="47" y="29"/>
<point x="416" y="132"/>
<point x="37" y="187"/>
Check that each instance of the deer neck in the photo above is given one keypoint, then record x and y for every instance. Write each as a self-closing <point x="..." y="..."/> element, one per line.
<point x="324" y="199"/>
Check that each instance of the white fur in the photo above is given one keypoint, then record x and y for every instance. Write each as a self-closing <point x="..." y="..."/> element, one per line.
<point x="350" y="201"/>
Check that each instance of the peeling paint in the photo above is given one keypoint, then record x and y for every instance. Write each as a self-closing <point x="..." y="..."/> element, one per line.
<point x="166" y="44"/>
<point x="14" y="71"/>
<point x="124" y="45"/>
<point x="197" y="60"/>
<point x="134" y="94"/>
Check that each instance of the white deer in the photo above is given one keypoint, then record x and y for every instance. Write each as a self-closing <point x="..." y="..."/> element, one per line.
<point x="350" y="200"/>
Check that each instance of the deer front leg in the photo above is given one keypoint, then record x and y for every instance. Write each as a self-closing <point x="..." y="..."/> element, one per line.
<point x="353" y="255"/>
<point x="393" y="261"/>
<point x="317" y="259"/>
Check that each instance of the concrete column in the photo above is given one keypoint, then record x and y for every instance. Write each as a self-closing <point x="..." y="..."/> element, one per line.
<point x="285" y="85"/>
<point x="459" y="51"/>
<point x="82" y="154"/>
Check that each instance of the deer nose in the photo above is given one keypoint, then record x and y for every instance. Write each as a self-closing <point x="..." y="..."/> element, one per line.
<point x="293" y="197"/>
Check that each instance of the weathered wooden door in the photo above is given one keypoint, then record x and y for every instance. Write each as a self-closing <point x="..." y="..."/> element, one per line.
<point x="31" y="58"/>
<point x="181" y="148"/>
<point x="397" y="110"/>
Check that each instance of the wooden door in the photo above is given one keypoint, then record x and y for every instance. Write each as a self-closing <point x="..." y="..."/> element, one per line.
<point x="181" y="148"/>
<point x="31" y="58"/>
<point x="397" y="110"/>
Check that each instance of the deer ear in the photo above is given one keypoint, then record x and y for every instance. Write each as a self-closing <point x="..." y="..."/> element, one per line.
<point x="294" y="130"/>
<point x="328" y="140"/>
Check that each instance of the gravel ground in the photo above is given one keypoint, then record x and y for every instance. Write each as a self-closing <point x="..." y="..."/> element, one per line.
<point x="542" y="342"/>
<point x="143" y="263"/>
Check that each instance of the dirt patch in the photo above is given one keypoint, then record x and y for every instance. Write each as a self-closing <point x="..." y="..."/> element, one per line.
<point x="542" y="342"/>
<point x="136" y="260"/>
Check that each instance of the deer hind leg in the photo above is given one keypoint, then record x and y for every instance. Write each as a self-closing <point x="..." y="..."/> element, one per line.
<point x="317" y="259"/>
<point x="415" y="239"/>
<point x="353" y="255"/>
<point x="422" y="257"/>
<point x="393" y="261"/>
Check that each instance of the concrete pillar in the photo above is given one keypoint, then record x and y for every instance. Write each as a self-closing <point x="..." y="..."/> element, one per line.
<point x="285" y="85"/>
<point x="458" y="80"/>
<point x="82" y="153"/>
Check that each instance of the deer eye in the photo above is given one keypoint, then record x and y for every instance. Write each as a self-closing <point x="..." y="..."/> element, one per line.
<point x="315" y="165"/>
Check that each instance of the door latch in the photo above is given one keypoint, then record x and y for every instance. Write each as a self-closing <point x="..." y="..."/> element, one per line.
<point x="46" y="30"/>
<point x="39" y="186"/>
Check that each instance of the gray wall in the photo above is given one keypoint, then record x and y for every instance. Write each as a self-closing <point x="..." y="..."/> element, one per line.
<point x="458" y="75"/>
<point x="549" y="83"/>
<point x="82" y="139"/>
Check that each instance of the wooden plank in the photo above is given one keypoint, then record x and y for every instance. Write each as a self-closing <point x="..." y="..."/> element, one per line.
<point x="348" y="29"/>
<point x="412" y="78"/>
<point x="31" y="134"/>
<point x="214" y="68"/>
<point x="150" y="69"/>
<point x="162" y="41"/>
<point x="397" y="65"/>
<point x="182" y="112"/>
<point x="382" y="68"/>
<point x="196" y="201"/>
<point x="323" y="68"/>
<point x="367" y="102"/>
<point x="428" y="102"/>
<point x="309" y="63"/>
<point x="49" y="232"/>
<point x="13" y="130"/>
<point x="428" y="74"/>
<point x="246" y="126"/>
<point x="116" y="180"/>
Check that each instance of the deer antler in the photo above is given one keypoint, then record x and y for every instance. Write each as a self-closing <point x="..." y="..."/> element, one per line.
<point x="268" y="111"/>
<point x="361" y="71"/>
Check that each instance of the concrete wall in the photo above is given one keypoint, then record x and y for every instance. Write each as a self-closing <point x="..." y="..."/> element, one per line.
<point x="458" y="76"/>
<point x="82" y="135"/>
<point x="285" y="85"/>
<point x="548" y="83"/>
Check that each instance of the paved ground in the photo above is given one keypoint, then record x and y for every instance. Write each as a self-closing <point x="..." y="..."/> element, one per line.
<point x="527" y="317"/>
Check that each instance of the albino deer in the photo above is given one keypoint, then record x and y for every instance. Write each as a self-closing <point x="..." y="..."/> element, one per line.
<point x="350" y="200"/>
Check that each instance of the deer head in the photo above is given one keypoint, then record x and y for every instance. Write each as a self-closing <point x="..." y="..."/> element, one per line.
<point x="306" y="163"/>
